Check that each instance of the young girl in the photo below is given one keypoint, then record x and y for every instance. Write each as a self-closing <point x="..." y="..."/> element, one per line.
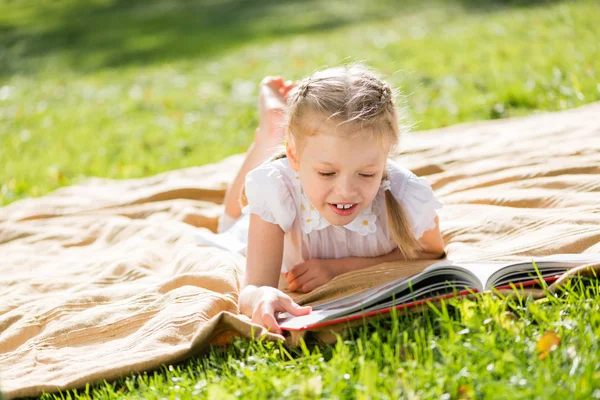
<point x="333" y="202"/>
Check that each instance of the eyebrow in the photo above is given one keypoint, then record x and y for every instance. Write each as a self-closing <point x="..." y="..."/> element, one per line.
<point x="331" y="165"/>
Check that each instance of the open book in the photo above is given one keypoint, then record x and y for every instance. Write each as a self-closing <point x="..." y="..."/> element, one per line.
<point x="443" y="279"/>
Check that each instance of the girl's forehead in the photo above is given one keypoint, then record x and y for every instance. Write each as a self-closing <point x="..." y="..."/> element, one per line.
<point x="317" y="124"/>
<point x="360" y="150"/>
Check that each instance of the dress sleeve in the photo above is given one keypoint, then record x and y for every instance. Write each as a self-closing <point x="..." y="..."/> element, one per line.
<point x="416" y="197"/>
<point x="269" y="196"/>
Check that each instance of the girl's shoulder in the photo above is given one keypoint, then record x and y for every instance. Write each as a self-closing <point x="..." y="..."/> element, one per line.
<point x="275" y="176"/>
<point x="405" y="185"/>
<point x="400" y="178"/>
<point x="282" y="165"/>
<point x="270" y="192"/>
<point x="276" y="168"/>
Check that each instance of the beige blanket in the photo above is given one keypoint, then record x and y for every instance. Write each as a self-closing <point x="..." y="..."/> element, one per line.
<point x="103" y="278"/>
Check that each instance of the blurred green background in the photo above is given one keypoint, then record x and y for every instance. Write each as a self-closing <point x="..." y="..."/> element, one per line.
<point x="128" y="88"/>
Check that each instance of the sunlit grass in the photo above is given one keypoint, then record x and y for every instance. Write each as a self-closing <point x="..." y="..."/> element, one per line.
<point x="486" y="348"/>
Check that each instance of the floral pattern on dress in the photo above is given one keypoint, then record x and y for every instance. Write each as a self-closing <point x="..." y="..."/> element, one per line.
<point x="311" y="219"/>
<point x="364" y="223"/>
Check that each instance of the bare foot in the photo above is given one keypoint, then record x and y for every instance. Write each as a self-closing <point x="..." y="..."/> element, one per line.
<point x="272" y="100"/>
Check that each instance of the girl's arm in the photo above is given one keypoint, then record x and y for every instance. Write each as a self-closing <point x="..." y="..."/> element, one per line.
<point x="433" y="242"/>
<point x="264" y="253"/>
<point x="260" y="299"/>
<point x="315" y="272"/>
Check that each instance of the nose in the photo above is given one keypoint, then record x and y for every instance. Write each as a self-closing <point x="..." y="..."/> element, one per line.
<point x="346" y="188"/>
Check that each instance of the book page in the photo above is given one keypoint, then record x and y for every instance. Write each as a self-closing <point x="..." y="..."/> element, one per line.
<point x="363" y="300"/>
<point x="481" y="270"/>
<point x="582" y="258"/>
<point x="524" y="270"/>
<point x="343" y="305"/>
<point x="477" y="273"/>
<point x="439" y="289"/>
<point x="488" y="273"/>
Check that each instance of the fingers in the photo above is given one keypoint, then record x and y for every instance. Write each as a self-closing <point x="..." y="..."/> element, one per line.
<point x="297" y="271"/>
<point x="271" y="323"/>
<point x="310" y="285"/>
<point x="290" y="306"/>
<point x="271" y="301"/>
<point x="295" y="285"/>
<point x="298" y="276"/>
<point x="302" y="282"/>
<point x="265" y="315"/>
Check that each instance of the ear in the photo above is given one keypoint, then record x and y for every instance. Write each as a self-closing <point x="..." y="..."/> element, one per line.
<point x="291" y="152"/>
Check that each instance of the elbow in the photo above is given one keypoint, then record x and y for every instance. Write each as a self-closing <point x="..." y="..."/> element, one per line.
<point x="433" y="252"/>
<point x="439" y="254"/>
<point x="432" y="255"/>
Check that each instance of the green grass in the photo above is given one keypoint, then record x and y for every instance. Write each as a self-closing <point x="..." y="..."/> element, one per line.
<point x="125" y="88"/>
<point x="464" y="349"/>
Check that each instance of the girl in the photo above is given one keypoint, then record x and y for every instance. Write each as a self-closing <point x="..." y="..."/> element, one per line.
<point x="333" y="202"/>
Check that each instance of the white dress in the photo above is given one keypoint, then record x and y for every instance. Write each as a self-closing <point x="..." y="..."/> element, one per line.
<point x="275" y="194"/>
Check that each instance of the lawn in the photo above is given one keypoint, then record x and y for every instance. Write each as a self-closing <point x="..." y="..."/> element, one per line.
<point x="128" y="88"/>
<point x="495" y="348"/>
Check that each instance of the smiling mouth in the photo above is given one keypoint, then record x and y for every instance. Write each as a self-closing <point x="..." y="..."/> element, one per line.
<point x="343" y="206"/>
<point x="343" y="209"/>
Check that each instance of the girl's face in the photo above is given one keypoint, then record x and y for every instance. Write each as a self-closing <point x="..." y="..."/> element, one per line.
<point x="335" y="170"/>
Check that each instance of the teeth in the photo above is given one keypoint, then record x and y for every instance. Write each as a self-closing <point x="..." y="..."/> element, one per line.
<point x="344" y="207"/>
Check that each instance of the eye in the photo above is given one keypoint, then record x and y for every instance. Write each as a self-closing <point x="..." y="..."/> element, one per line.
<point x="367" y="175"/>
<point x="326" y="173"/>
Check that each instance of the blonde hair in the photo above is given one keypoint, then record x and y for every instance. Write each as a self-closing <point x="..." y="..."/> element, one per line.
<point x="357" y="96"/>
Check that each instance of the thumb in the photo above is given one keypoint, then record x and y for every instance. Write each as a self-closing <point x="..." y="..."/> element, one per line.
<point x="290" y="306"/>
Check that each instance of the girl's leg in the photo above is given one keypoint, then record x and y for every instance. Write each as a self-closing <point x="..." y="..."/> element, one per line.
<point x="258" y="152"/>
<point x="269" y="134"/>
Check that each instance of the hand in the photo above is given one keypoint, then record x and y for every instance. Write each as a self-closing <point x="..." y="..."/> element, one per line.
<point x="273" y="93"/>
<point x="311" y="274"/>
<point x="266" y="301"/>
